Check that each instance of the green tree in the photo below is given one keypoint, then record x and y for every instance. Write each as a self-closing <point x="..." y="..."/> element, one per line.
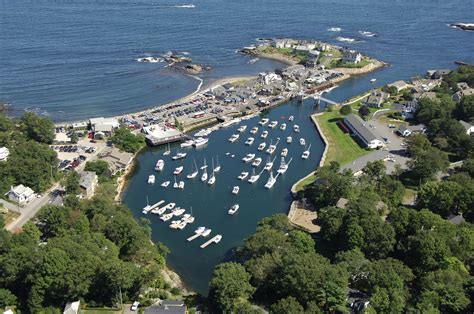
<point x="230" y="285"/>
<point x="417" y="144"/>
<point x="74" y="137"/>
<point x="345" y="110"/>
<point x="287" y="305"/>
<point x="38" y="128"/>
<point x="7" y="298"/>
<point x="364" y="111"/>
<point x="425" y="165"/>
<point x="71" y="183"/>
<point x="100" y="167"/>
<point x="128" y="141"/>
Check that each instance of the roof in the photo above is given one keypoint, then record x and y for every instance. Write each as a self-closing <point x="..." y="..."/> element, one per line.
<point x="342" y="202"/>
<point x="359" y="125"/>
<point x="22" y="190"/>
<point x="87" y="179"/>
<point x="466" y="125"/>
<point x="456" y="219"/>
<point x="72" y="307"/>
<point x="403" y="128"/>
<point x="398" y="84"/>
<point x="172" y="303"/>
<point x="4" y="150"/>
<point x="166" y="309"/>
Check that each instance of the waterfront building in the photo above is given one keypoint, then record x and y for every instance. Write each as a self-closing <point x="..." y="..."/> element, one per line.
<point x="88" y="182"/>
<point x="359" y="128"/>
<point x="399" y="85"/>
<point x="117" y="160"/>
<point x="104" y="125"/>
<point x="20" y="194"/>
<point x="376" y="99"/>
<point x="351" y="56"/>
<point x="4" y="153"/>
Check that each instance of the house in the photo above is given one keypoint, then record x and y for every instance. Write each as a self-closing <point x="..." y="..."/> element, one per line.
<point x="438" y="74"/>
<point x="456" y="219"/>
<point x="4" y="153"/>
<point x="117" y="160"/>
<point x="72" y="307"/>
<point x="469" y="127"/>
<point x="20" y="194"/>
<point x="312" y="60"/>
<point x="361" y="131"/>
<point x="376" y="99"/>
<point x="88" y="182"/>
<point x="399" y="85"/>
<point x="284" y="43"/>
<point x="167" y="307"/>
<point x="409" y="109"/>
<point x="404" y="131"/>
<point x="351" y="56"/>
<point x="357" y="300"/>
<point x="463" y="93"/>
<point x="104" y="125"/>
<point x="79" y="126"/>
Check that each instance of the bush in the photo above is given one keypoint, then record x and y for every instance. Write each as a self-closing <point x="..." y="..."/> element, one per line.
<point x="364" y="111"/>
<point x="175" y="291"/>
<point x="345" y="110"/>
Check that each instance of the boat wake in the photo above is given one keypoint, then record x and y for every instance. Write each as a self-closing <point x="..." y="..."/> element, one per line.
<point x="347" y="39"/>
<point x="185" y="6"/>
<point x="334" y="29"/>
<point x="367" y="34"/>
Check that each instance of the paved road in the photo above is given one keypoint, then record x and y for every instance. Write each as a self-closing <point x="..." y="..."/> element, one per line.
<point x="30" y="210"/>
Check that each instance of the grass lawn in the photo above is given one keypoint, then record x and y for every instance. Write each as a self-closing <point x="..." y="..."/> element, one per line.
<point x="341" y="146"/>
<point x="305" y="182"/>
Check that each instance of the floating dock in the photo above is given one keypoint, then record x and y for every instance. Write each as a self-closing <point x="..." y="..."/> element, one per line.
<point x="215" y="239"/>
<point x="194" y="236"/>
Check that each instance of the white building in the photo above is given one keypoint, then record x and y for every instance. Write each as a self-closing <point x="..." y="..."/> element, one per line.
<point x="399" y="85"/>
<point x="106" y="125"/>
<point x="469" y="127"/>
<point x="72" y="308"/>
<point x="351" y="56"/>
<point x="20" y="194"/>
<point x="4" y="153"/>
<point x="361" y="131"/>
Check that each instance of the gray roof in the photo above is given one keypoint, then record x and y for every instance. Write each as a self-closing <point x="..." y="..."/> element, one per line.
<point x="165" y="309"/>
<point x="359" y="125"/>
<point x="465" y="124"/>
<point x="457" y="220"/>
<point x="87" y="179"/>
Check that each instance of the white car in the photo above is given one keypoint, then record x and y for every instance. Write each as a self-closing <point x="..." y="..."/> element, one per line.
<point x="134" y="306"/>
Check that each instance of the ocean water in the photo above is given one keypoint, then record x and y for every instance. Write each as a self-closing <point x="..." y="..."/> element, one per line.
<point x="76" y="59"/>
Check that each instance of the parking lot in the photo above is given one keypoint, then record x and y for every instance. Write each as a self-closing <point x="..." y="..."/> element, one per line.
<point x="74" y="156"/>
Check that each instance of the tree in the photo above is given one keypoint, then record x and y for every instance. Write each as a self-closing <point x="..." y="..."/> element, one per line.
<point x="74" y="137"/>
<point x="38" y="128"/>
<point x="465" y="109"/>
<point x="71" y="183"/>
<point x="425" y="165"/>
<point x="230" y="285"/>
<point x="345" y="110"/>
<point x="417" y="144"/>
<point x="287" y="305"/>
<point x="364" y="111"/>
<point x="100" y="167"/>
<point x="128" y="141"/>
<point x="7" y="298"/>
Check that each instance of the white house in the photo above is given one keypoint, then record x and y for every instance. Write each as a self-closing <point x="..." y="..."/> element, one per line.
<point x="4" y="153"/>
<point x="469" y="127"/>
<point x="404" y="131"/>
<point x="20" y="194"/>
<point x="351" y="56"/>
<point x="72" y="307"/>
<point x="399" y="85"/>
<point x="106" y="125"/>
<point x="360" y="130"/>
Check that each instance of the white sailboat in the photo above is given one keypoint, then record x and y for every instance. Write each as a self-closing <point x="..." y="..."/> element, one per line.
<point x="205" y="165"/>
<point x="212" y="179"/>
<point x="151" y="179"/>
<point x="194" y="173"/>
<point x="271" y="181"/>
<point x="165" y="184"/>
<point x="254" y="178"/>
<point x="243" y="175"/>
<point x="175" y="185"/>
<point x="269" y="164"/>
<point x="204" y="176"/>
<point x="147" y="208"/>
<point x="283" y="166"/>
<point x="306" y="153"/>
<point x="218" y="167"/>
<point x="236" y="190"/>
<point x="262" y="146"/>
<point x="167" y="151"/>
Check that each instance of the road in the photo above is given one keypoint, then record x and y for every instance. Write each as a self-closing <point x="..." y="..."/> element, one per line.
<point x="30" y="210"/>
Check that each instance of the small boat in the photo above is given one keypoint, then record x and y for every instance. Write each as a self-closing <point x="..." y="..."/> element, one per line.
<point x="296" y="128"/>
<point x="212" y="179"/>
<point x="254" y="130"/>
<point x="234" y="138"/>
<point x="257" y="162"/>
<point x="284" y="152"/>
<point x="289" y="140"/>
<point x="262" y="146"/>
<point x="302" y="142"/>
<point x="147" y="208"/>
<point x="218" y="167"/>
<point x="306" y="153"/>
<point x="182" y="225"/>
<point x="151" y="179"/>
<point x="271" y="149"/>
<point x="242" y="128"/>
<point x="248" y="158"/>
<point x="178" y="211"/>
<point x="178" y="170"/>
<point x="227" y="154"/>
<point x="271" y="181"/>
<point x="179" y="156"/>
<point x="291" y="118"/>
<point x="236" y="190"/>
<point x="165" y="184"/>
<point x="283" y="126"/>
<point x="174" y="224"/>
<point x="204" y="176"/>
<point x="181" y="185"/>
<point x="254" y="178"/>
<point x="160" y="164"/>
<point x="252" y="61"/>
<point x="233" y="209"/>
<point x="194" y="173"/>
<point x="263" y="121"/>
<point x="206" y="233"/>
<point x="264" y="134"/>
<point x="373" y="80"/>
<point x="249" y="141"/>
<point x="200" y="230"/>
<point x="283" y="166"/>
<point x="204" y="166"/>
<point x="200" y="141"/>
<point x="175" y="184"/>
<point x="273" y="124"/>
<point x="188" y="143"/>
<point x="243" y="175"/>
<point x="167" y="151"/>
<point x="269" y="164"/>
<point x="166" y="217"/>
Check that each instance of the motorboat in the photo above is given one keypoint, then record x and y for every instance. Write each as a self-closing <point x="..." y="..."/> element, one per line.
<point x="242" y="128"/>
<point x="236" y="190"/>
<point x="167" y="151"/>
<point x="243" y="175"/>
<point x="160" y="164"/>
<point x="151" y="179"/>
<point x="283" y="126"/>
<point x="254" y="178"/>
<point x="302" y="142"/>
<point x="200" y="141"/>
<point x="271" y="149"/>
<point x="254" y="130"/>
<point x="296" y="128"/>
<point x="262" y="146"/>
<point x="306" y="153"/>
<point x="263" y="121"/>
<point x="188" y="143"/>
<point x="273" y="124"/>
<point x="206" y="233"/>
<point x="165" y="184"/>
<point x="291" y="118"/>
<point x="283" y="166"/>
<point x="174" y="224"/>
<point x="284" y="152"/>
<point x="268" y="165"/>
<point x="181" y="185"/>
<point x="248" y="157"/>
<point x="178" y="211"/>
<point x="182" y="225"/>
<point x="234" y="138"/>
<point x="257" y="162"/>
<point x="166" y="217"/>
<point x="271" y="181"/>
<point x="204" y="166"/>
<point x="179" y="156"/>
<point x="233" y="209"/>
<point x="289" y="140"/>
<point x="178" y="170"/>
<point x="373" y="80"/>
<point x="249" y="141"/>
<point x="200" y="230"/>
<point x="264" y="134"/>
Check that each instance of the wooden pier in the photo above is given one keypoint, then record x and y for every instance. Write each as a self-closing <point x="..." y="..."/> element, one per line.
<point x="213" y="240"/>
<point x="194" y="236"/>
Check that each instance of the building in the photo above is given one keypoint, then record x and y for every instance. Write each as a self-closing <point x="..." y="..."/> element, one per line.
<point x="104" y="125"/>
<point x="117" y="160"/>
<point x="72" y="307"/>
<point x="409" y="109"/>
<point x="362" y="132"/>
<point x="20" y="194"/>
<point x="357" y="300"/>
<point x="456" y="219"/>
<point x="399" y="85"/>
<point x="438" y="74"/>
<point x="351" y="56"/>
<point x="4" y="153"/>
<point x="463" y="93"/>
<point x="167" y="307"/>
<point x="404" y="131"/>
<point x="376" y="99"/>
<point x="79" y="126"/>
<point x="469" y="127"/>
<point x="88" y="182"/>
<point x="312" y="60"/>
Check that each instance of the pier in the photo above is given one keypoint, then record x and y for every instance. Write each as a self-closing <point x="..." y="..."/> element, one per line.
<point x="215" y="239"/>
<point x="194" y="236"/>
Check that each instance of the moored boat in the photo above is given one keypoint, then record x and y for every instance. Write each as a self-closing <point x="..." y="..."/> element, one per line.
<point x="179" y="156"/>
<point x="200" y="141"/>
<point x="249" y="141"/>
<point x="283" y="126"/>
<point x="257" y="162"/>
<point x="236" y="190"/>
<point x="262" y="146"/>
<point x="233" y="209"/>
<point x="248" y="158"/>
<point x="234" y="138"/>
<point x="296" y="128"/>
<point x="160" y="164"/>
<point x="264" y="134"/>
<point x="165" y="184"/>
<point x="243" y="175"/>
<point x="178" y="170"/>
<point x="151" y="179"/>
<point x="254" y="130"/>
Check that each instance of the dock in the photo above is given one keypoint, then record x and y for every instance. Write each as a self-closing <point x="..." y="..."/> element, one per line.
<point x="213" y="240"/>
<point x="156" y="204"/>
<point x="193" y="237"/>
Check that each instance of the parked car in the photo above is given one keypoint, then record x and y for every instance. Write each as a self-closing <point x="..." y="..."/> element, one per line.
<point x="134" y="306"/>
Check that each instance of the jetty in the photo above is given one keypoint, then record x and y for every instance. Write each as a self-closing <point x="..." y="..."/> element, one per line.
<point x="215" y="239"/>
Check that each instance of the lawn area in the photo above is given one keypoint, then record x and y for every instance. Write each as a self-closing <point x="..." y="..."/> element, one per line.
<point x="8" y="217"/>
<point x="305" y="182"/>
<point x="341" y="146"/>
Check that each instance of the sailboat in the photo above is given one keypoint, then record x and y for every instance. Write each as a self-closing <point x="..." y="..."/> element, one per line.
<point x="204" y="166"/>
<point x="218" y="167"/>
<point x="212" y="179"/>
<point x="175" y="185"/>
<point x="306" y="153"/>
<point x="271" y="181"/>
<point x="254" y="177"/>
<point x="147" y="208"/>
<point x="194" y="173"/>
<point x="204" y="176"/>
<point x="167" y="151"/>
